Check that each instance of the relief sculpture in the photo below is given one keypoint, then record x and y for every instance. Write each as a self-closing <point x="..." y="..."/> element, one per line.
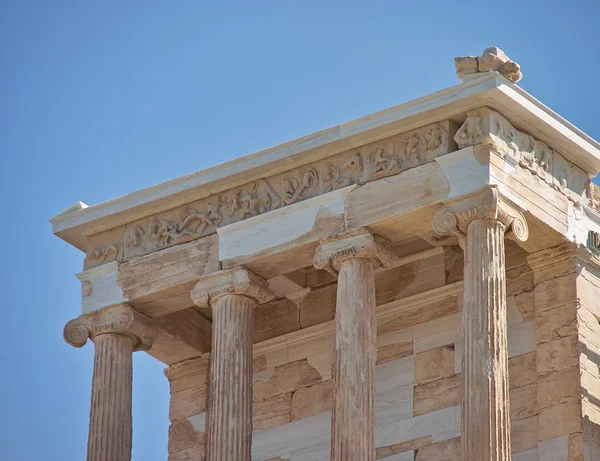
<point x="487" y="126"/>
<point x="197" y="219"/>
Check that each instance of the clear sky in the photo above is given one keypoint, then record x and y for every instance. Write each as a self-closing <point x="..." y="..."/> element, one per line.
<point x="104" y="98"/>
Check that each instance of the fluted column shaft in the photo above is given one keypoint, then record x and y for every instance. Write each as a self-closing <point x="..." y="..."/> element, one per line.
<point x="230" y="401"/>
<point x="233" y="294"/>
<point x="353" y="419"/>
<point x="480" y="221"/>
<point x="353" y="256"/>
<point x="110" y="428"/>
<point x="117" y="331"/>
<point x="485" y="403"/>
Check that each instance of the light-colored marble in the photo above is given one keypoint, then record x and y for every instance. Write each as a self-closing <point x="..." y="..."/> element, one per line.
<point x="99" y="288"/>
<point x="75" y="223"/>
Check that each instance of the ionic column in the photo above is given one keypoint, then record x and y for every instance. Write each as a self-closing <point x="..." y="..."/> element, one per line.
<point x="233" y="295"/>
<point x="353" y="257"/>
<point x="117" y="332"/>
<point x="481" y="221"/>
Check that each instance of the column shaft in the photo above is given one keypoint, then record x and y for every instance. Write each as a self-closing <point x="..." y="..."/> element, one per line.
<point x="353" y="421"/>
<point x="110" y="414"/>
<point x="485" y="403"/>
<point x="230" y="399"/>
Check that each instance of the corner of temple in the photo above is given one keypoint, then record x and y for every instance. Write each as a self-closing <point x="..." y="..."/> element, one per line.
<point x="116" y="319"/>
<point x="360" y="243"/>
<point x="236" y="281"/>
<point x="488" y="203"/>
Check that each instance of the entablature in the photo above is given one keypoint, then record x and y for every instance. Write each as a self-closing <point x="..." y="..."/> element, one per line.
<point x="283" y="174"/>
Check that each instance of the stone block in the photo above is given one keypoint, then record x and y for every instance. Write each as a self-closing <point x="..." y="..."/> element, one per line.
<point x="312" y="400"/>
<point x="523" y="402"/>
<point x="189" y="454"/>
<point x="415" y="444"/>
<point x="188" y="402"/>
<point x="558" y="420"/>
<point x="522" y="370"/>
<point x="182" y="436"/>
<point x="557" y="355"/>
<point x="448" y="450"/>
<point x="436" y="395"/>
<point x="287" y="378"/>
<point x="525" y="302"/>
<point x="556" y="323"/>
<point x="271" y="412"/>
<point x="189" y="373"/>
<point x="524" y="434"/>
<point x="555" y="292"/>
<point x="391" y="352"/>
<point x="558" y="387"/>
<point x="434" y="364"/>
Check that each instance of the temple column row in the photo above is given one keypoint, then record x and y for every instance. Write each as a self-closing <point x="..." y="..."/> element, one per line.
<point x="479" y="221"/>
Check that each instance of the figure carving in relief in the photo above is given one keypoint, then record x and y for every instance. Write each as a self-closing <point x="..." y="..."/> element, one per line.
<point x="194" y="223"/>
<point x="161" y="231"/>
<point x="233" y="204"/>
<point x="335" y="177"/>
<point x="293" y="189"/>
<point x="135" y="238"/>
<point x="383" y="165"/>
<point x="331" y="176"/>
<point x="470" y="131"/>
<point x="415" y="145"/>
<point x="214" y="213"/>
<point x="264" y="204"/>
<point x="353" y="164"/>
<point x="434" y="137"/>
<point x="249" y="204"/>
<point x="105" y="254"/>
<point x="535" y="157"/>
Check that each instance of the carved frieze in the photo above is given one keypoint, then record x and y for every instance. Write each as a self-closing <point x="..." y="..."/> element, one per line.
<point x="197" y="219"/>
<point x="106" y="254"/>
<point x="485" y="126"/>
<point x="200" y="219"/>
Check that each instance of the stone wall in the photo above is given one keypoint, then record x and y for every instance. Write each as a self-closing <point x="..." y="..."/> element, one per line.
<point x="553" y="373"/>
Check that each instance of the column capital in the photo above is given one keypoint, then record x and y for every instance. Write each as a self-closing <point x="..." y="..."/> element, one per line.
<point x="117" y="319"/>
<point x="361" y="243"/>
<point x="454" y="218"/>
<point x="236" y="281"/>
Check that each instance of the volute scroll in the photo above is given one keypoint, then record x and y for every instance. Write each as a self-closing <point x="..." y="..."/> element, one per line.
<point x="118" y="319"/>
<point x="454" y="218"/>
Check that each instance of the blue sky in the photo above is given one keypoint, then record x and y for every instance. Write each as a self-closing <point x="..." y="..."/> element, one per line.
<point x="103" y="98"/>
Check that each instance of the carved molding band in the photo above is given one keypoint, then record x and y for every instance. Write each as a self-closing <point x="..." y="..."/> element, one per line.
<point x="119" y="319"/>
<point x="455" y="217"/>
<point x="372" y="161"/>
<point x="236" y="281"/>
<point x="332" y="252"/>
